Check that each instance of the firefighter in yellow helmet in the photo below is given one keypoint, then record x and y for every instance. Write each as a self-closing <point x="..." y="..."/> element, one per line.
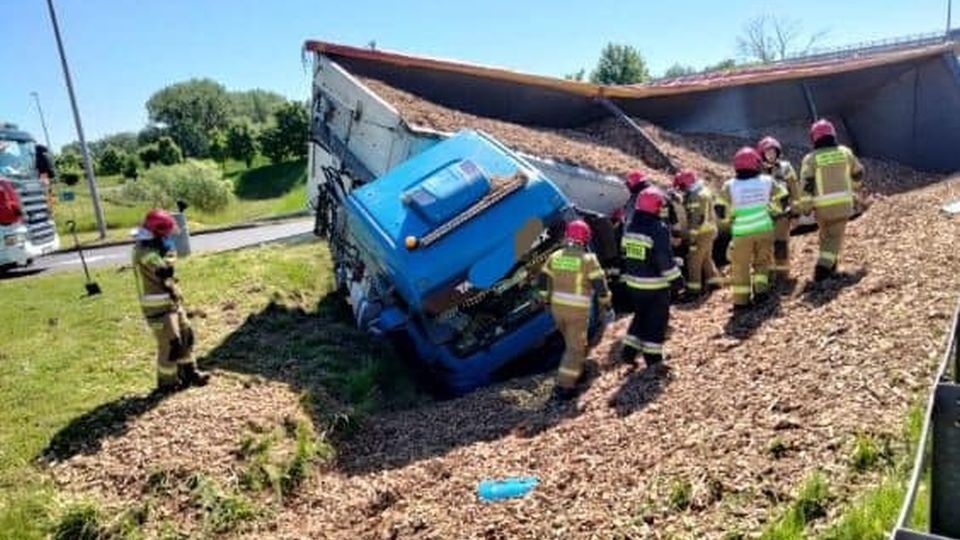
<point x="569" y="280"/>
<point x="783" y="173"/>
<point x="650" y="273"/>
<point x="752" y="198"/>
<point x="700" y="234"/>
<point x="162" y="303"/>
<point x="830" y="175"/>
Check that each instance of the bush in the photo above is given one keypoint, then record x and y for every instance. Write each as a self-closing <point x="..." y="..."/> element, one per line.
<point x="111" y="161"/>
<point x="199" y="183"/>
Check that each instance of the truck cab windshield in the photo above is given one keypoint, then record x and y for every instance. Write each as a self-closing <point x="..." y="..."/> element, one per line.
<point x="17" y="158"/>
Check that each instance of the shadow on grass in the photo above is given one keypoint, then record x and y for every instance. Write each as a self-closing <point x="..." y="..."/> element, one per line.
<point x="270" y="181"/>
<point x="85" y="434"/>
<point x="824" y="292"/>
<point x="372" y="404"/>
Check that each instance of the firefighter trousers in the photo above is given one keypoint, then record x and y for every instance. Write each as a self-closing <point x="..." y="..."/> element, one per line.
<point x="648" y="329"/>
<point x="174" y="344"/>
<point x="572" y="322"/>
<point x="750" y="262"/>
<point x="781" y="247"/>
<point x="831" y="241"/>
<point x="700" y="267"/>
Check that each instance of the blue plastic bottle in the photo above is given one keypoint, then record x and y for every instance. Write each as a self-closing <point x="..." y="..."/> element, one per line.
<point x="507" y="488"/>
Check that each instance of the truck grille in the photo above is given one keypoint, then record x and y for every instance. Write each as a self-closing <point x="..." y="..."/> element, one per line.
<point x="33" y="198"/>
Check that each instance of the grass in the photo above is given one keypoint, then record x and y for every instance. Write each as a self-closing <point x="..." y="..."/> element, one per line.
<point x="872" y="515"/>
<point x="262" y="191"/>
<point x="810" y="504"/>
<point x="681" y="495"/>
<point x="64" y="354"/>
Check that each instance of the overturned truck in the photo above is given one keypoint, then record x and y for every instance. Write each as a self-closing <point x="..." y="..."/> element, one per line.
<point x="437" y="237"/>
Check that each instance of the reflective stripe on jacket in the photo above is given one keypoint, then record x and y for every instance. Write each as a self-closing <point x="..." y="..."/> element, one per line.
<point x="751" y="201"/>
<point x="829" y="177"/>
<point x="571" y="275"/>
<point x="647" y="256"/>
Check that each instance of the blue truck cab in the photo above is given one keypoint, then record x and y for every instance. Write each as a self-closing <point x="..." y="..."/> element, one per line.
<point x="446" y="247"/>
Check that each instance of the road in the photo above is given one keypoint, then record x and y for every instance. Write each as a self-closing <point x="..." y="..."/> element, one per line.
<point x="212" y="242"/>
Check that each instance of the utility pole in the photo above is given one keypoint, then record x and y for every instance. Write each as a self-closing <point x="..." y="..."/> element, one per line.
<point x="87" y="162"/>
<point x="949" y="10"/>
<point x="43" y="122"/>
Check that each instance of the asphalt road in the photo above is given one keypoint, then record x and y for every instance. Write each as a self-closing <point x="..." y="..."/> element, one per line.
<point x="212" y="242"/>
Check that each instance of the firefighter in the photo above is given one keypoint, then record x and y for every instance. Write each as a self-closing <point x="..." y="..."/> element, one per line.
<point x="753" y="198"/>
<point x="831" y="175"/>
<point x="783" y="173"/>
<point x="570" y="279"/>
<point x="161" y="301"/>
<point x="636" y="181"/>
<point x="650" y="273"/>
<point x="701" y="232"/>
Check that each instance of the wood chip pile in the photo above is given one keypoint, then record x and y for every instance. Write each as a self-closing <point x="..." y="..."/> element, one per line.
<point x="810" y="369"/>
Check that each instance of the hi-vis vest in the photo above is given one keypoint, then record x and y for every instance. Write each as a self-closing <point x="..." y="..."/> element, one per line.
<point x="750" y="205"/>
<point x="572" y="271"/>
<point x="828" y="181"/>
<point x="155" y="297"/>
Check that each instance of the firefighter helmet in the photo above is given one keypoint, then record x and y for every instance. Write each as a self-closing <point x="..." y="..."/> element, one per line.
<point x="650" y="200"/>
<point x="636" y="180"/>
<point x="747" y="159"/>
<point x="578" y="231"/>
<point x="822" y="128"/>
<point x="159" y="223"/>
<point x="684" y="179"/>
<point x="769" y="143"/>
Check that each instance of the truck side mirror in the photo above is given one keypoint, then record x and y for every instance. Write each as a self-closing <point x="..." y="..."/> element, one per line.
<point x="45" y="164"/>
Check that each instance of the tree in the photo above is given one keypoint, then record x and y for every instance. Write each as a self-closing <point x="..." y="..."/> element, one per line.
<point x="293" y="126"/>
<point x="576" y="75"/>
<point x="620" y="64"/>
<point x="149" y="155"/>
<point x="189" y="111"/>
<point x="723" y="65"/>
<point x="168" y="153"/>
<point x="131" y="167"/>
<point x="111" y="161"/>
<point x="678" y="70"/>
<point x="769" y="38"/>
<point x="218" y="146"/>
<point x="69" y="160"/>
<point x="272" y="145"/>
<point x="241" y="143"/>
<point x="257" y="106"/>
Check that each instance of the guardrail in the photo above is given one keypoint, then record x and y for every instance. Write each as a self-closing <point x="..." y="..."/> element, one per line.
<point x="939" y="447"/>
<point x="869" y="47"/>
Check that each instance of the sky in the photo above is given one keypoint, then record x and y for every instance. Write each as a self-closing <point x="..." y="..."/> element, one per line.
<point x="121" y="51"/>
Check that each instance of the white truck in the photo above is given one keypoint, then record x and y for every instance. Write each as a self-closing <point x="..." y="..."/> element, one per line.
<point x="27" y="230"/>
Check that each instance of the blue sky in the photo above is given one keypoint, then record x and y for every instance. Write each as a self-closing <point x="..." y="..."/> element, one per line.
<point x="121" y="51"/>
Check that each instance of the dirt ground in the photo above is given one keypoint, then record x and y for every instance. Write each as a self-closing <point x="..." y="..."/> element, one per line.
<point x="812" y="367"/>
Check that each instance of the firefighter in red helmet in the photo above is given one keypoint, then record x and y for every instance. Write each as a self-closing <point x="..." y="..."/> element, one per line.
<point x="569" y="280"/>
<point x="162" y="302"/>
<point x="831" y="175"/>
<point x="650" y="273"/>
<point x="753" y="198"/>
<point x="783" y="173"/>
<point x="700" y="234"/>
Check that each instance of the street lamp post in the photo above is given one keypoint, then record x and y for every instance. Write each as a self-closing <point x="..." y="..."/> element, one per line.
<point x="87" y="162"/>
<point x="949" y="12"/>
<point x="43" y="121"/>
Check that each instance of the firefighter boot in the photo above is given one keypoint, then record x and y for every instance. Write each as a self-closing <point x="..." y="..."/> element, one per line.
<point x="653" y="360"/>
<point x="628" y="356"/>
<point x="191" y="376"/>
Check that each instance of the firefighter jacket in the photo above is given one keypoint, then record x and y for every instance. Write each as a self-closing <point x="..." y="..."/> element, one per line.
<point x="153" y="271"/>
<point x="752" y="203"/>
<point x="830" y="176"/>
<point x="674" y="213"/>
<point x="648" y="262"/>
<point x="570" y="277"/>
<point x="783" y="173"/>
<point x="701" y="215"/>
